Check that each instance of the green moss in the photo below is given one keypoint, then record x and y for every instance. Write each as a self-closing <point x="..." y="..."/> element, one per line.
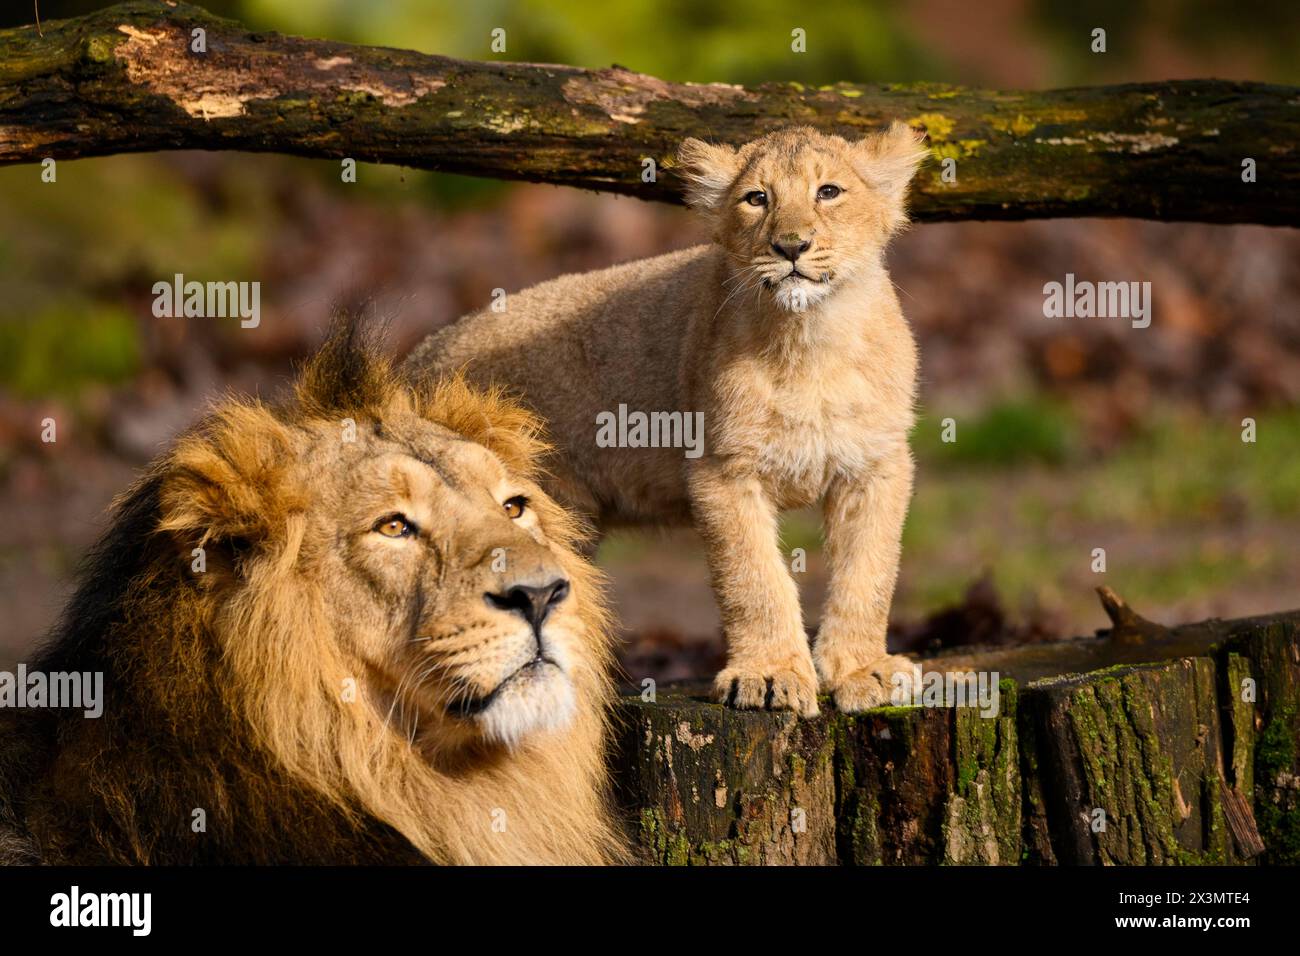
<point x="670" y="849"/>
<point x="1277" y="805"/>
<point x="988" y="779"/>
<point x="1241" y="715"/>
<point x="893" y="713"/>
<point x="864" y="834"/>
<point x="1275" y="751"/>
<point x="846" y="777"/>
<point x="1126" y="773"/>
<point x="798" y="766"/>
<point x="102" y="47"/>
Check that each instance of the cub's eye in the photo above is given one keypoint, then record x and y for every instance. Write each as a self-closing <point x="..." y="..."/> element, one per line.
<point x="515" y="506"/>
<point x="756" y="198"/>
<point x="394" y="526"/>
<point x="829" y="191"/>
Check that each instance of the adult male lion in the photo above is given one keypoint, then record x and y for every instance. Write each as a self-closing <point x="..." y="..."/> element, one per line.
<point x="785" y="340"/>
<point x="348" y="628"/>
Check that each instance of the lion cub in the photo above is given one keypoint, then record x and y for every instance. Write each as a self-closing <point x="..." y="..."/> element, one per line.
<point x="786" y="335"/>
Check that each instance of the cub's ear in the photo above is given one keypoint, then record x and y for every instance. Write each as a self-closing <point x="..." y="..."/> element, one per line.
<point x="890" y="159"/>
<point x="228" y="481"/>
<point x="708" y="172"/>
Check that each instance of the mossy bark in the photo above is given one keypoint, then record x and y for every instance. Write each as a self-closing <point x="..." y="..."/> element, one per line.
<point x="1173" y="751"/>
<point x="129" y="79"/>
<point x="707" y="785"/>
<point x="1131" y="764"/>
<point x="1270" y="733"/>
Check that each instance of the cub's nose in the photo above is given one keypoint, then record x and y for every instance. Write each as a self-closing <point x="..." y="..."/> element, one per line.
<point x="533" y="602"/>
<point x="791" y="247"/>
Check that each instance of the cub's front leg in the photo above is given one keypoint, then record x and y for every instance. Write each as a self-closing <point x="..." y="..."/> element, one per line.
<point x="864" y="518"/>
<point x="768" y="661"/>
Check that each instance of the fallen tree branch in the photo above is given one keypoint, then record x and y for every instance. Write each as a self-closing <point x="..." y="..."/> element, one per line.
<point x="126" y="79"/>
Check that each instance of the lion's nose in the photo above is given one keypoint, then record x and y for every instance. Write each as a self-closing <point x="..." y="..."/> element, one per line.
<point x="790" y="248"/>
<point x="534" y="603"/>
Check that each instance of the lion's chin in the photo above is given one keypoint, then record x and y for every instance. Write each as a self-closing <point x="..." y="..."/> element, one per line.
<point x="797" y="294"/>
<point x="535" y="700"/>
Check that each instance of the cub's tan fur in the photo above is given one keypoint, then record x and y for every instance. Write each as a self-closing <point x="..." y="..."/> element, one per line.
<point x="330" y="687"/>
<point x="786" y="334"/>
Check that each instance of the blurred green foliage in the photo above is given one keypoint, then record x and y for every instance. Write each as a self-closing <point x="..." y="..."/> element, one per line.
<point x="67" y="345"/>
<point x="1029" y="429"/>
<point x="725" y="41"/>
<point x="748" y="41"/>
<point x="92" y="245"/>
<point x="1266" y="31"/>
<point x="108" y="220"/>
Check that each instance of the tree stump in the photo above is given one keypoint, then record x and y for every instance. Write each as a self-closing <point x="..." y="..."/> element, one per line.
<point x="1177" y="748"/>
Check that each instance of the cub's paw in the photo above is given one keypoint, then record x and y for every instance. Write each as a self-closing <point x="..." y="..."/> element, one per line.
<point x="869" y="686"/>
<point x="754" y="687"/>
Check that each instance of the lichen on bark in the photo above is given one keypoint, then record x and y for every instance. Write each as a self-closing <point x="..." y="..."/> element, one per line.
<point x="124" y="79"/>
<point x="1161" y="741"/>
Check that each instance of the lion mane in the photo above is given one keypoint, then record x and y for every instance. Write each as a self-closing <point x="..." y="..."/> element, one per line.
<point x="224" y="736"/>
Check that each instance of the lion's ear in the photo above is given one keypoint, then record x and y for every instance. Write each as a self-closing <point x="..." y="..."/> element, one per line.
<point x="227" y="482"/>
<point x="708" y="172"/>
<point x="488" y="417"/>
<point x="890" y="159"/>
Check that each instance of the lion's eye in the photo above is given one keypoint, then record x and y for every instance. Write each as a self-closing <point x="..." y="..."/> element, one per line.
<point x="829" y="191"/>
<point x="756" y="198"/>
<point x="395" y="526"/>
<point x="515" y="506"/>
